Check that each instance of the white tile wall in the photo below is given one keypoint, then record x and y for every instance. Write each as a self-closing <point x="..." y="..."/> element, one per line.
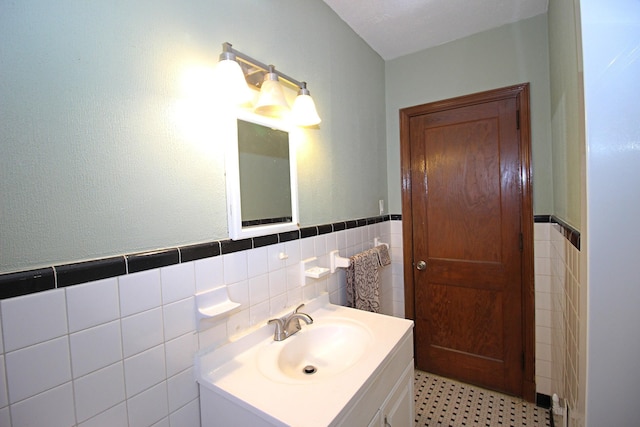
<point x="120" y="351"/>
<point x="4" y="397"/>
<point x="52" y="408"/>
<point x="144" y="370"/>
<point x="142" y="331"/>
<point x="188" y="415"/>
<point x="208" y="273"/>
<point x="139" y="292"/>
<point x="178" y="318"/>
<point x="178" y="282"/>
<point x="179" y="353"/>
<point x="558" y="319"/>
<point x="21" y="328"/>
<point x="397" y="267"/>
<point x="92" y="304"/>
<point x="148" y="407"/>
<point x="38" y="368"/>
<point x="568" y="324"/>
<point x="182" y="389"/>
<point x="96" y="347"/>
<point x="116" y="416"/>
<point x="543" y="310"/>
<point x="101" y="353"/>
<point x="98" y="391"/>
<point x="5" y="419"/>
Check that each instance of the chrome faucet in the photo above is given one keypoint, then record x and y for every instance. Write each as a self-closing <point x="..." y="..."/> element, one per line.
<point x="289" y="325"/>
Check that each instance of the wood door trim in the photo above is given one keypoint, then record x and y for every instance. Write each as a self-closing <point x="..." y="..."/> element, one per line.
<point x="521" y="94"/>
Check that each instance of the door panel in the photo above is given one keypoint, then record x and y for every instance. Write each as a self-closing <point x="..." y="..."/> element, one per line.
<point x="466" y="200"/>
<point x="466" y="224"/>
<point x="484" y="310"/>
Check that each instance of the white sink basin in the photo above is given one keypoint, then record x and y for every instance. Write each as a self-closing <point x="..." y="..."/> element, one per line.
<point x="254" y="380"/>
<point x="319" y="351"/>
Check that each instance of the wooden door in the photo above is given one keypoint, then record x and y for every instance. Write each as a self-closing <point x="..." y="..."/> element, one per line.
<point x="467" y="238"/>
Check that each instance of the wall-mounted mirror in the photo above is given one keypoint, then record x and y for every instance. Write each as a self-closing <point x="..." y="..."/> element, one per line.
<point x="261" y="177"/>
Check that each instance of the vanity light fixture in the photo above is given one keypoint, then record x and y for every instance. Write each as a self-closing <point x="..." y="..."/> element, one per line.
<point x="304" y="109"/>
<point x="229" y="78"/>
<point x="271" y="101"/>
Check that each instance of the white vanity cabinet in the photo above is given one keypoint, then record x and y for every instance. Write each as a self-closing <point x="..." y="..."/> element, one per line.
<point x="238" y="388"/>
<point x="388" y="398"/>
<point x="398" y="410"/>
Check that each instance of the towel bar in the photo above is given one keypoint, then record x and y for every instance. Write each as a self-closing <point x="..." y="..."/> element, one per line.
<point x="377" y="242"/>
<point x="336" y="261"/>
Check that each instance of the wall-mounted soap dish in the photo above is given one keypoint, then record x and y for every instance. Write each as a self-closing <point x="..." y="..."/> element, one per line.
<point x="309" y="269"/>
<point x="214" y="305"/>
<point x="316" y="272"/>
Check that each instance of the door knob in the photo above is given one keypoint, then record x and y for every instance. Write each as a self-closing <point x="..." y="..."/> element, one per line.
<point x="421" y="265"/>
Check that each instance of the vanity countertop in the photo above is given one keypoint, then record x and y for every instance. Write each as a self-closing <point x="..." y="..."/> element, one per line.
<point x="233" y="370"/>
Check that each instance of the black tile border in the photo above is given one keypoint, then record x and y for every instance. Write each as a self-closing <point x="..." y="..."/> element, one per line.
<point x="47" y="278"/>
<point x="261" y="241"/>
<point x="288" y="236"/>
<point x="308" y="232"/>
<point x="83" y="272"/>
<point x="199" y="251"/>
<point x="230" y="246"/>
<point x="325" y="229"/>
<point x="569" y="233"/>
<point x="542" y="218"/>
<point x="543" y="400"/>
<point x="27" y="282"/>
<point x="376" y="219"/>
<point x="153" y="259"/>
<point x="339" y="226"/>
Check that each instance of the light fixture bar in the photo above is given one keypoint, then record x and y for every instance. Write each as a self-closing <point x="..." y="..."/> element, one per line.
<point x="272" y="101"/>
<point x="226" y="47"/>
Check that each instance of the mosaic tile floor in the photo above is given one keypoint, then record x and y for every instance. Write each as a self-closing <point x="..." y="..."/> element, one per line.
<point x="444" y="402"/>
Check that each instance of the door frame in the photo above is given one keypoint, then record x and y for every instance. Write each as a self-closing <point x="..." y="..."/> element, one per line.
<point x="521" y="94"/>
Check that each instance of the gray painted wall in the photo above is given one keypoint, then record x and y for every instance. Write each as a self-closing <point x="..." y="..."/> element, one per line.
<point x="567" y="111"/>
<point x="109" y="141"/>
<point x="512" y="54"/>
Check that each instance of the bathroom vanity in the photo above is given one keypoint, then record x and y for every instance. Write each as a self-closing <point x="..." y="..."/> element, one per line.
<point x="347" y="368"/>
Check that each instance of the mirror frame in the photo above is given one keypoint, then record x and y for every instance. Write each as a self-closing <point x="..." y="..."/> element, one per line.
<point x="232" y="169"/>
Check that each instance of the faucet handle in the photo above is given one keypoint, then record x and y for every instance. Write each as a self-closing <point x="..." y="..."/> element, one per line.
<point x="279" y="334"/>
<point x="298" y="308"/>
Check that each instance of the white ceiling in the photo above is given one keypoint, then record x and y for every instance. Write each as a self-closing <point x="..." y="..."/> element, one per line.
<point x="395" y="28"/>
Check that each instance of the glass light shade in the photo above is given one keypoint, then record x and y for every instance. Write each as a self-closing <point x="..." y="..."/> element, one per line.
<point x="271" y="101"/>
<point x="230" y="83"/>
<point x="304" y="111"/>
